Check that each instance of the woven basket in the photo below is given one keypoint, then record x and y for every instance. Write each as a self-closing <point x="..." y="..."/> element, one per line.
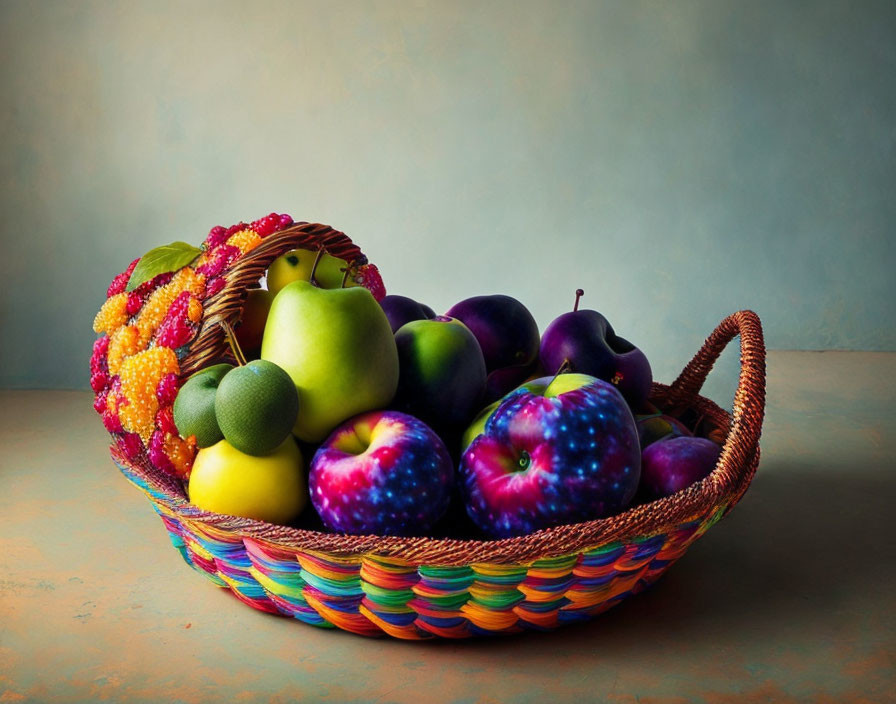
<point x="418" y="588"/>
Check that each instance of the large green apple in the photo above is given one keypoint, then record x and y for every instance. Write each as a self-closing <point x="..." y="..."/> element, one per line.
<point x="338" y="348"/>
<point x="442" y="378"/>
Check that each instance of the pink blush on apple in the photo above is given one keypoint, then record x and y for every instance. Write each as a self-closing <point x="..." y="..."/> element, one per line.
<point x="383" y="473"/>
<point x="544" y="461"/>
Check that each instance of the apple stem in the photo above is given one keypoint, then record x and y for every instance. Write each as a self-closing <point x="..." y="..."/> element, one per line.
<point x="564" y="368"/>
<point x="234" y="345"/>
<point x="579" y="294"/>
<point x="345" y="276"/>
<point x="311" y="279"/>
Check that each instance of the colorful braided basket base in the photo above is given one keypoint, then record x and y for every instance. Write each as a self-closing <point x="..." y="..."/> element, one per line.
<point x="374" y="595"/>
<point x="421" y="588"/>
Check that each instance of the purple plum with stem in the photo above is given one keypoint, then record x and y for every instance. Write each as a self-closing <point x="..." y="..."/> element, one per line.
<point x="584" y="341"/>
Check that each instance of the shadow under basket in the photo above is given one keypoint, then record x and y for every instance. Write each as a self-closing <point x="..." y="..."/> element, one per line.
<point x="420" y="588"/>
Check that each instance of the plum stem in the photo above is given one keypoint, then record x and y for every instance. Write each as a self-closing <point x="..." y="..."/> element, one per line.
<point x="311" y="276"/>
<point x="579" y="294"/>
<point x="234" y="345"/>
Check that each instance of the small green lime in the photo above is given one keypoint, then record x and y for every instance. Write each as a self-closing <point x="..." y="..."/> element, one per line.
<point x="194" y="407"/>
<point x="256" y="406"/>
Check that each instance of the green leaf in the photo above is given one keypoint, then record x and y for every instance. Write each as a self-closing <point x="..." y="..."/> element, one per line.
<point x="169" y="257"/>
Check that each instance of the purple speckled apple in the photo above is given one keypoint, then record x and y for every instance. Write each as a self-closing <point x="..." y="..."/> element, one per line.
<point x="585" y="342"/>
<point x="508" y="336"/>
<point x="382" y="472"/>
<point x="561" y="451"/>
<point x="672" y="464"/>
<point x="401" y="309"/>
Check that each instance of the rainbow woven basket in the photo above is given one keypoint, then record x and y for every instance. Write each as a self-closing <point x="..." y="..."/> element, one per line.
<point x="411" y="588"/>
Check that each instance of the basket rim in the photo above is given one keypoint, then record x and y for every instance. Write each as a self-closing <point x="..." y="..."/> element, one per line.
<point x="637" y="521"/>
<point x="717" y="493"/>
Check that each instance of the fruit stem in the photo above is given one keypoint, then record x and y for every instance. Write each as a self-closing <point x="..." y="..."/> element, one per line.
<point x="234" y="345"/>
<point x="579" y="294"/>
<point x="345" y="276"/>
<point x="564" y="368"/>
<point x="320" y="253"/>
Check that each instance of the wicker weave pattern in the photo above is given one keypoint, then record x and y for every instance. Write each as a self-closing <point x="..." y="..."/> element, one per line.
<point x="373" y="595"/>
<point x="417" y="588"/>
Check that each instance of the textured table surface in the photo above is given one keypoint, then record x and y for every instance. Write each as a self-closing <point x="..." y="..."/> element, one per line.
<point x="790" y="598"/>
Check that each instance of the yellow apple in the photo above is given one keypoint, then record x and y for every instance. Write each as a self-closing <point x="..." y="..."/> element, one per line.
<point x="296" y="265"/>
<point x="269" y="488"/>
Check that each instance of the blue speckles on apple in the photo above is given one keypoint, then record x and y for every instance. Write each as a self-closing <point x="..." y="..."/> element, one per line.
<point x="580" y="472"/>
<point x="384" y="492"/>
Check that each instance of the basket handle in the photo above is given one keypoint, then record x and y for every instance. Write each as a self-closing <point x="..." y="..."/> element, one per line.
<point x="227" y="304"/>
<point x="736" y="462"/>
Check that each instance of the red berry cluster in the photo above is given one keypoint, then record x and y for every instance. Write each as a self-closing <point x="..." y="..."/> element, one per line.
<point x="120" y="282"/>
<point x="178" y="327"/>
<point x="162" y="313"/>
<point x="369" y="277"/>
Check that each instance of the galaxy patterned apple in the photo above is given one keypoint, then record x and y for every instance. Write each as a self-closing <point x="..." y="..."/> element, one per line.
<point x="562" y="453"/>
<point x="382" y="472"/>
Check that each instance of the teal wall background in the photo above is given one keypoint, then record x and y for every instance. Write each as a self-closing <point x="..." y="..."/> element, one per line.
<point x="677" y="160"/>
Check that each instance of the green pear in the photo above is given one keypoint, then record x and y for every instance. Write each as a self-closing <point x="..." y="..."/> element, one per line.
<point x="338" y="348"/>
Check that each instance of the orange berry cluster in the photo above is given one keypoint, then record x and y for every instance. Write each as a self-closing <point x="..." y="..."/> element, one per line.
<point x="144" y="333"/>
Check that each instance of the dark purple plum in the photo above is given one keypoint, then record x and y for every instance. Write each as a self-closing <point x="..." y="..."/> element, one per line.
<point x="657" y="426"/>
<point x="502" y="381"/>
<point x="585" y="342"/>
<point x="507" y="334"/>
<point x="673" y="464"/>
<point x="401" y="309"/>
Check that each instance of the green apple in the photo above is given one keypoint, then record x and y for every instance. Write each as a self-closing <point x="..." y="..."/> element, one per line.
<point x="270" y="488"/>
<point x="442" y="377"/>
<point x="256" y="406"/>
<point x="296" y="265"/>
<point x="338" y="348"/>
<point x="194" y="407"/>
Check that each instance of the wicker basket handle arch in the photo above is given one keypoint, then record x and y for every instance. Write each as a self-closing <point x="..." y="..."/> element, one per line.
<point x="735" y="462"/>
<point x="226" y="306"/>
